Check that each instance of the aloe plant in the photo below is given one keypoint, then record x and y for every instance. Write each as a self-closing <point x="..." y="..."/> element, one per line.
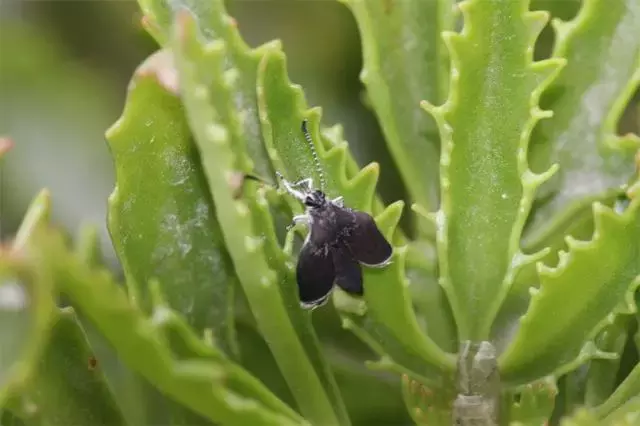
<point x="517" y="181"/>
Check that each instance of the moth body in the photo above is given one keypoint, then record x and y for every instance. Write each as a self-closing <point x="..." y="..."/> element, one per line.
<point x="339" y="241"/>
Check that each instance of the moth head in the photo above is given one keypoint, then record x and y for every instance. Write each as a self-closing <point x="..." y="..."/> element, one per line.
<point x="315" y="199"/>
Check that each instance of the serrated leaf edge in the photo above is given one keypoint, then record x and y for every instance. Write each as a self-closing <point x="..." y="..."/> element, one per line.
<point x="546" y="70"/>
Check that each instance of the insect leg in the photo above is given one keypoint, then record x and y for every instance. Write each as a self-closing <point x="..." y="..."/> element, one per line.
<point x="290" y="188"/>
<point x="339" y="201"/>
<point x="307" y="183"/>
<point x="288" y="241"/>
<point x="301" y="218"/>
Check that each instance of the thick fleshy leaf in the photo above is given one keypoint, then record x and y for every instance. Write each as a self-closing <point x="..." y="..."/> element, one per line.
<point x="602" y="373"/>
<point x="161" y="217"/>
<point x="69" y="387"/>
<point x="581" y="417"/>
<point x="162" y="348"/>
<point x="138" y="400"/>
<point x="8" y="418"/>
<point x="535" y="403"/>
<point x="627" y="414"/>
<point x="26" y="304"/>
<point x="241" y="64"/>
<point x="25" y="315"/>
<point x="517" y="301"/>
<point x="87" y="246"/>
<point x="602" y="48"/>
<point x="282" y="109"/>
<point x="201" y="78"/>
<point x="626" y="391"/>
<point x="487" y="188"/>
<point x="429" y="298"/>
<point x="66" y="387"/>
<point x="427" y="407"/>
<point x="405" y="62"/>
<point x="595" y="276"/>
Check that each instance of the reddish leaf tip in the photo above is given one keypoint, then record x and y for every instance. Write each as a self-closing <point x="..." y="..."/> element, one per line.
<point x="160" y="65"/>
<point x="5" y="144"/>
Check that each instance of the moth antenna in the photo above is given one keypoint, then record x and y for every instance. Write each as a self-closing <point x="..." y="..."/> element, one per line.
<point x="316" y="159"/>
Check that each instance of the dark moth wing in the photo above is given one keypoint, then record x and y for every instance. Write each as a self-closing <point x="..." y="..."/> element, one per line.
<point x="366" y="243"/>
<point x="348" y="272"/>
<point x="315" y="275"/>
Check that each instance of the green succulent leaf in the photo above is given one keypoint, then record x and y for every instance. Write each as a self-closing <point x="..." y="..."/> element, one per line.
<point x="26" y="304"/>
<point x="241" y="64"/>
<point x="161" y="217"/>
<point x="405" y="62"/>
<point x="69" y="387"/>
<point x="138" y="400"/>
<point x="582" y="417"/>
<point x="626" y="415"/>
<point x="201" y="76"/>
<point x="37" y="216"/>
<point x="282" y="109"/>
<point x="431" y="303"/>
<point x="334" y="137"/>
<point x="626" y="391"/>
<point x="601" y="379"/>
<point x="596" y="276"/>
<point x="181" y="366"/>
<point x="602" y="48"/>
<point x="535" y="405"/>
<point x="7" y="418"/>
<point x="427" y="406"/>
<point x="88" y="246"/>
<point x="486" y="186"/>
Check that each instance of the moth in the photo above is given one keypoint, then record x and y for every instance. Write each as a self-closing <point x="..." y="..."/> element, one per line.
<point x="339" y="241"/>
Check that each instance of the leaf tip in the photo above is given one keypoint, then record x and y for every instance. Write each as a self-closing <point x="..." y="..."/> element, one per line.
<point x="161" y="67"/>
<point x="6" y="144"/>
<point x="536" y="20"/>
<point x="560" y="28"/>
<point x="347" y="323"/>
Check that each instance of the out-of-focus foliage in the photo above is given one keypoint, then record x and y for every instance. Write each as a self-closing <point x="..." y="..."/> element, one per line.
<point x="512" y="294"/>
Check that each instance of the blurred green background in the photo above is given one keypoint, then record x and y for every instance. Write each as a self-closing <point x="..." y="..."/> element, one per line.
<point x="64" y="70"/>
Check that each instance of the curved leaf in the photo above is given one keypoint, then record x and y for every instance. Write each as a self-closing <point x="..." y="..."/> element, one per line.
<point x="198" y="67"/>
<point x="428" y="407"/>
<point x="200" y="378"/>
<point x="595" y="276"/>
<point x="626" y="391"/>
<point x="241" y="64"/>
<point x="161" y="217"/>
<point x="405" y="62"/>
<point x="69" y="387"/>
<point x="66" y="387"/>
<point x="139" y="401"/>
<point x="535" y="404"/>
<point x="582" y="417"/>
<point x="487" y="188"/>
<point x="626" y="415"/>
<point x="26" y="303"/>
<point x="282" y="109"/>
<point x="601" y="380"/>
<point x="602" y="48"/>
